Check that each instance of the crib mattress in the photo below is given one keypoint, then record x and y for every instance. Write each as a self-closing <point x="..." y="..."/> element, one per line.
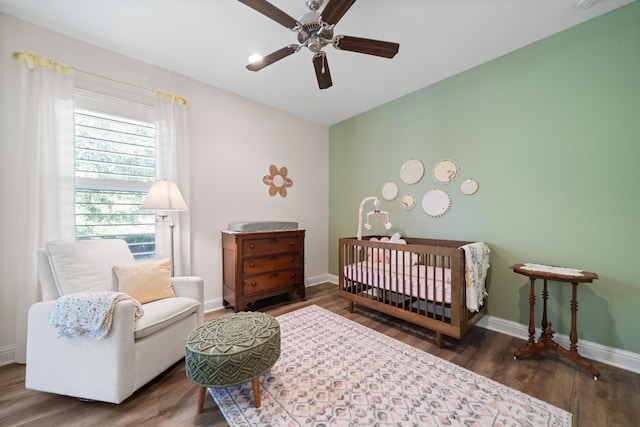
<point x="418" y="281"/>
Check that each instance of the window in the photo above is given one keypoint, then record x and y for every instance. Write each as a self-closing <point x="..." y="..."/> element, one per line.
<point x="115" y="166"/>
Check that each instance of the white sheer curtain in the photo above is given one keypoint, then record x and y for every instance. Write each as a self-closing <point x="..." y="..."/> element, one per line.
<point x="172" y="163"/>
<point x="37" y="181"/>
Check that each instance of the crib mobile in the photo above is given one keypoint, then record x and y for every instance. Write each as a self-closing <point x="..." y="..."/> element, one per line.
<point x="376" y="212"/>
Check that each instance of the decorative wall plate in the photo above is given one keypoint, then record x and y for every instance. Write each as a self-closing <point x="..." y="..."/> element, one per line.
<point x="436" y="202"/>
<point x="408" y="201"/>
<point x="445" y="171"/>
<point x="411" y="171"/>
<point x="469" y="186"/>
<point x="390" y="191"/>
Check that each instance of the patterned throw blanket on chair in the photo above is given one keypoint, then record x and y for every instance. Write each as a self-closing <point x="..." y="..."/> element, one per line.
<point x="476" y="261"/>
<point x="87" y="313"/>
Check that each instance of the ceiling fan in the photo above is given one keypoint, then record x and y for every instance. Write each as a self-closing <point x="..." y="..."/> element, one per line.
<point x="315" y="31"/>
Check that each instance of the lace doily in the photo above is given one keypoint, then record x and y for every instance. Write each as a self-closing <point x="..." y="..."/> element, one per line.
<point x="550" y="269"/>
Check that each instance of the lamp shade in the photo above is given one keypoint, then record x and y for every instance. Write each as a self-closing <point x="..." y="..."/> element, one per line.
<point x="164" y="195"/>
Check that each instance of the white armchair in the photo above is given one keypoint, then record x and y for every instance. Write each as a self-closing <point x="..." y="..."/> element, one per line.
<point x="132" y="353"/>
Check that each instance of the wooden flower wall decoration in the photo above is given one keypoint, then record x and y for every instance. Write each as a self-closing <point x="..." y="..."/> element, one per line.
<point x="277" y="181"/>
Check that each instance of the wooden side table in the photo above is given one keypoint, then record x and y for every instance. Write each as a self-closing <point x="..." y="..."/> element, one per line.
<point x="557" y="274"/>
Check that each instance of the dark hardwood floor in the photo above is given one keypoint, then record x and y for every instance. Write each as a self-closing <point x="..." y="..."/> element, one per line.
<point x="171" y="399"/>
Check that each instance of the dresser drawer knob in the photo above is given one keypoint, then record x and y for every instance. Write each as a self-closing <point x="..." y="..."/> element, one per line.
<point x="293" y="274"/>
<point x="274" y="274"/>
<point x="291" y="259"/>
<point x="254" y="284"/>
<point x="252" y="246"/>
<point x="291" y="243"/>
<point x="252" y="264"/>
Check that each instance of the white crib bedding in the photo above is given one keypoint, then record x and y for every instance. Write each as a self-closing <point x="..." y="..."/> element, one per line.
<point x="415" y="280"/>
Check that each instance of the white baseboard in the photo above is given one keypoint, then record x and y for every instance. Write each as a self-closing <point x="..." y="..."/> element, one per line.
<point x="320" y="278"/>
<point x="216" y="304"/>
<point x="213" y="305"/>
<point x="7" y="355"/>
<point x="589" y="350"/>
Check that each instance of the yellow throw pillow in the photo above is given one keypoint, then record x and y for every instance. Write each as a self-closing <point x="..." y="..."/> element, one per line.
<point x="145" y="281"/>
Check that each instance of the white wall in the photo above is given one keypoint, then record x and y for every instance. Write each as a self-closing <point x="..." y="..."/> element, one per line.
<point x="237" y="142"/>
<point x="233" y="139"/>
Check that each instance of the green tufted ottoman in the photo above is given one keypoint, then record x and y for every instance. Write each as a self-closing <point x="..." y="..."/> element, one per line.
<point x="231" y="350"/>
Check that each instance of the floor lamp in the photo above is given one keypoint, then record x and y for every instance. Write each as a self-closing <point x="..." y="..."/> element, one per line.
<point x="165" y="196"/>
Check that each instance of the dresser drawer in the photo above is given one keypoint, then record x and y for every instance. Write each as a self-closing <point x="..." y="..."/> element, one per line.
<point x="271" y="263"/>
<point x="273" y="245"/>
<point x="267" y="281"/>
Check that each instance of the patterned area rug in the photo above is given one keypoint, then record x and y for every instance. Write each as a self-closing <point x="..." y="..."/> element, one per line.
<point x="335" y="372"/>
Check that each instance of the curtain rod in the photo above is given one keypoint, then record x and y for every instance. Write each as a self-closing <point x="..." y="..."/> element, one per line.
<point x="32" y="60"/>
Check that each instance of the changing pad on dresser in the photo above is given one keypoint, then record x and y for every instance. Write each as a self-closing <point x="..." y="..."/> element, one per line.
<point x="248" y="226"/>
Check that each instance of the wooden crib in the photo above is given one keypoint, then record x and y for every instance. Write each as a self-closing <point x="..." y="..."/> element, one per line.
<point x="422" y="282"/>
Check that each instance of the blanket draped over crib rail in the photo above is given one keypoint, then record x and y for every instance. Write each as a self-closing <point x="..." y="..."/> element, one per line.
<point x="87" y="313"/>
<point x="475" y="273"/>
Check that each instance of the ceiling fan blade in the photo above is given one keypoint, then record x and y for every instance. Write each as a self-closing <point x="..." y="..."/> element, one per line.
<point x="322" y="70"/>
<point x="335" y="10"/>
<point x="367" y="46"/>
<point x="270" y="11"/>
<point x="273" y="57"/>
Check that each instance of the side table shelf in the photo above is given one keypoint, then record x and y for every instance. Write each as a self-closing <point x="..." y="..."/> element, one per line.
<point x="557" y="274"/>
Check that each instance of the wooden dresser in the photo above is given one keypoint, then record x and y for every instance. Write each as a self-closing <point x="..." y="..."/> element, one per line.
<point x="261" y="264"/>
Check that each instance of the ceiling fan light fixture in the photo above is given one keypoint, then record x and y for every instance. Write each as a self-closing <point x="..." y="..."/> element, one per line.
<point x="315" y="44"/>
<point x="255" y="58"/>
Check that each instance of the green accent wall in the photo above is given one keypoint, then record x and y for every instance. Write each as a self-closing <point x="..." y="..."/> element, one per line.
<point x="551" y="132"/>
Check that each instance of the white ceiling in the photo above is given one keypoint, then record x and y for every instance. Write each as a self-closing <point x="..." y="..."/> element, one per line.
<point x="210" y="41"/>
